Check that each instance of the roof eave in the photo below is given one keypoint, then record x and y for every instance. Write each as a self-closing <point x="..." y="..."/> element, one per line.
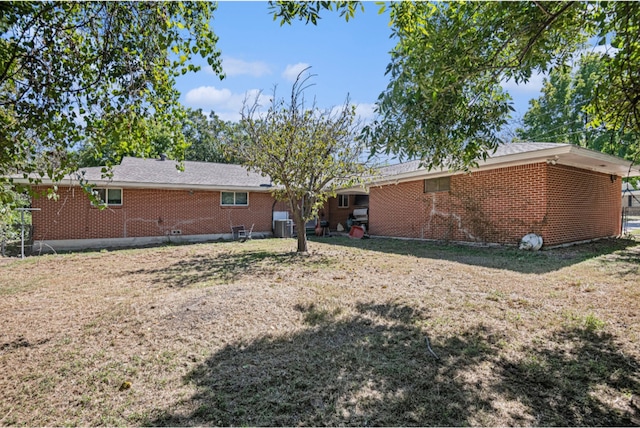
<point x="155" y="186"/>
<point x="563" y="155"/>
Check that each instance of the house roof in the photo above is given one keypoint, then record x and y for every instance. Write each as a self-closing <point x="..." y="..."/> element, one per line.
<point x="157" y="173"/>
<point x="164" y="174"/>
<point x="519" y="154"/>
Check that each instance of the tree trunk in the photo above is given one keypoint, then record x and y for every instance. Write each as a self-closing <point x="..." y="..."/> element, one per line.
<point x="302" y="234"/>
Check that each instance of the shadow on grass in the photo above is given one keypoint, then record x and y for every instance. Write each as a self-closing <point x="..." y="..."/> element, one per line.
<point x="574" y="388"/>
<point x="509" y="258"/>
<point x="629" y="261"/>
<point x="373" y="368"/>
<point x="228" y="267"/>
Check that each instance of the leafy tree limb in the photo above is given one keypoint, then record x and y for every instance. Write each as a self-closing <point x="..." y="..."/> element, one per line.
<point x="562" y="114"/>
<point x="93" y="72"/>
<point x="445" y="103"/>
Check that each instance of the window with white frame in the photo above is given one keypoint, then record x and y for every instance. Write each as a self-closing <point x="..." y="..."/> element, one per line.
<point x="234" y="199"/>
<point x="343" y="201"/>
<point x="109" y="197"/>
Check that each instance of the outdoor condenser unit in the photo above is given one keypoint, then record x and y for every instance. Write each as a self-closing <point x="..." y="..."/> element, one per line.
<point x="282" y="228"/>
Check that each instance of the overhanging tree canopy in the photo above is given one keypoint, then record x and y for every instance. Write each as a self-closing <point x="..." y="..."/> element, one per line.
<point x="445" y="104"/>
<point x="93" y="71"/>
<point x="561" y="113"/>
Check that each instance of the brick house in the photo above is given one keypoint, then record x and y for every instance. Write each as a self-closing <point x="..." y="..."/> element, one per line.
<point x="150" y="201"/>
<point x="562" y="192"/>
<point x="337" y="209"/>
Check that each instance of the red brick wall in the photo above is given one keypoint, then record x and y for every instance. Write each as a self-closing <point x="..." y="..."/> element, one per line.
<point x="488" y="206"/>
<point x="398" y="210"/>
<point x="146" y="212"/>
<point x="582" y="205"/>
<point x="563" y="204"/>
<point x="337" y="214"/>
<point x="501" y="206"/>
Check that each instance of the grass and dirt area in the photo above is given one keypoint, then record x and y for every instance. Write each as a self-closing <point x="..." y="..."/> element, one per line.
<point x="252" y="334"/>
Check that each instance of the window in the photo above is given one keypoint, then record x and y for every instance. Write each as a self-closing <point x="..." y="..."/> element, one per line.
<point x="109" y="197"/>
<point x="362" y="200"/>
<point x="630" y="200"/>
<point x="436" y="184"/>
<point x="343" y="201"/>
<point x="234" y="198"/>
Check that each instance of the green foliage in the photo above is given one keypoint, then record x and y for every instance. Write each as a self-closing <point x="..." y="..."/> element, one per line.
<point x="616" y="101"/>
<point x="444" y="103"/>
<point x="93" y="73"/>
<point x="201" y="138"/>
<point x="152" y="137"/>
<point x="309" y="11"/>
<point x="9" y="217"/>
<point x="207" y="137"/>
<point x="306" y="152"/>
<point x="561" y="114"/>
<point x="593" y="323"/>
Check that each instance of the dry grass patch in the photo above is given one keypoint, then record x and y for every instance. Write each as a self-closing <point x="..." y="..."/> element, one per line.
<point x="251" y="334"/>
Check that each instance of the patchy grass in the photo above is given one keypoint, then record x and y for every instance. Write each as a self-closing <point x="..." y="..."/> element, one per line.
<point x="252" y="334"/>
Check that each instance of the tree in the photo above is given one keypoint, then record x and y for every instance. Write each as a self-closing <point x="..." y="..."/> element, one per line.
<point x="152" y="137"/>
<point x="616" y="102"/>
<point x="208" y="137"/>
<point x="204" y="141"/>
<point x="560" y="114"/>
<point x="444" y="103"/>
<point x="93" y="73"/>
<point x="306" y="152"/>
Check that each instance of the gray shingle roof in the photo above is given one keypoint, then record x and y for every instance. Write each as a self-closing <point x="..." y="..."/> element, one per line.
<point x="502" y="150"/>
<point x="157" y="173"/>
<point x="400" y="168"/>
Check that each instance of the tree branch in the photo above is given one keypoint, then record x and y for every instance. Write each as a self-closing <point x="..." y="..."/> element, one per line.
<point x="545" y="11"/>
<point x="544" y="26"/>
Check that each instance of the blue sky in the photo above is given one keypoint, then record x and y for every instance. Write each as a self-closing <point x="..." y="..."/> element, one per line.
<point x="348" y="58"/>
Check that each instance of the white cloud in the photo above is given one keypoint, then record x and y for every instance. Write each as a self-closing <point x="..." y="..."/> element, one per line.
<point x="227" y="105"/>
<point x="229" y="116"/>
<point x="603" y="49"/>
<point x="532" y="87"/>
<point x="223" y="102"/>
<point x="207" y="96"/>
<point x="292" y="71"/>
<point x="236" y="67"/>
<point x="365" y="112"/>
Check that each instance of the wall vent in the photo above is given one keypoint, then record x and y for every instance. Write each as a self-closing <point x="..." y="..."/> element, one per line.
<point x="176" y="232"/>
